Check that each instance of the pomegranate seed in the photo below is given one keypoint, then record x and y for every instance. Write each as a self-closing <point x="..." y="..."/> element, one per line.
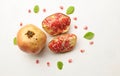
<point x="37" y="61"/>
<point x="85" y="28"/>
<point x="70" y="61"/>
<point x="91" y="43"/>
<point x="48" y="64"/>
<point x="44" y="10"/>
<point x="21" y="23"/>
<point x="82" y="51"/>
<point x="75" y="27"/>
<point x="29" y="11"/>
<point x="61" y="7"/>
<point x="75" y="18"/>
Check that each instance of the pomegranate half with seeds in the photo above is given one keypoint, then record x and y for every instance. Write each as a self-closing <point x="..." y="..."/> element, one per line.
<point x="31" y="39"/>
<point x="57" y="23"/>
<point x="63" y="43"/>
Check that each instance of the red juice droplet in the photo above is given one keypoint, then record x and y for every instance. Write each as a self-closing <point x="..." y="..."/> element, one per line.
<point x="75" y="18"/>
<point x="37" y="61"/>
<point x="44" y="10"/>
<point x="91" y="42"/>
<point x="21" y="23"/>
<point x="75" y="26"/>
<point x="48" y="64"/>
<point x="82" y="50"/>
<point x="85" y="28"/>
<point x="61" y="7"/>
<point x="70" y="61"/>
<point x="29" y="11"/>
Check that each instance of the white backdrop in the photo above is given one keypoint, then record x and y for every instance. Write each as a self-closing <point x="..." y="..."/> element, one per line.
<point x="100" y="59"/>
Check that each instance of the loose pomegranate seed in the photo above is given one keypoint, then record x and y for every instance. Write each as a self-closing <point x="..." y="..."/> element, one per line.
<point x="91" y="42"/>
<point x="82" y="50"/>
<point x="29" y="11"/>
<point x="61" y="7"/>
<point x="75" y="18"/>
<point x="21" y="23"/>
<point x="44" y="10"/>
<point x="85" y="28"/>
<point x="48" y="64"/>
<point x="37" y="61"/>
<point x="75" y="26"/>
<point x="70" y="61"/>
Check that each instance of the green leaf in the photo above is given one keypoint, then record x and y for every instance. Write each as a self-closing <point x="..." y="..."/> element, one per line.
<point x="70" y="10"/>
<point x="60" y="65"/>
<point x="36" y="9"/>
<point x="15" y="41"/>
<point x="89" y="35"/>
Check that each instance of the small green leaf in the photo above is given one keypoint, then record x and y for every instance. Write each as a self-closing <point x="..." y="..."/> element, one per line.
<point x="70" y="10"/>
<point x="89" y="35"/>
<point x="15" y="41"/>
<point x="60" y="65"/>
<point x="36" y="9"/>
